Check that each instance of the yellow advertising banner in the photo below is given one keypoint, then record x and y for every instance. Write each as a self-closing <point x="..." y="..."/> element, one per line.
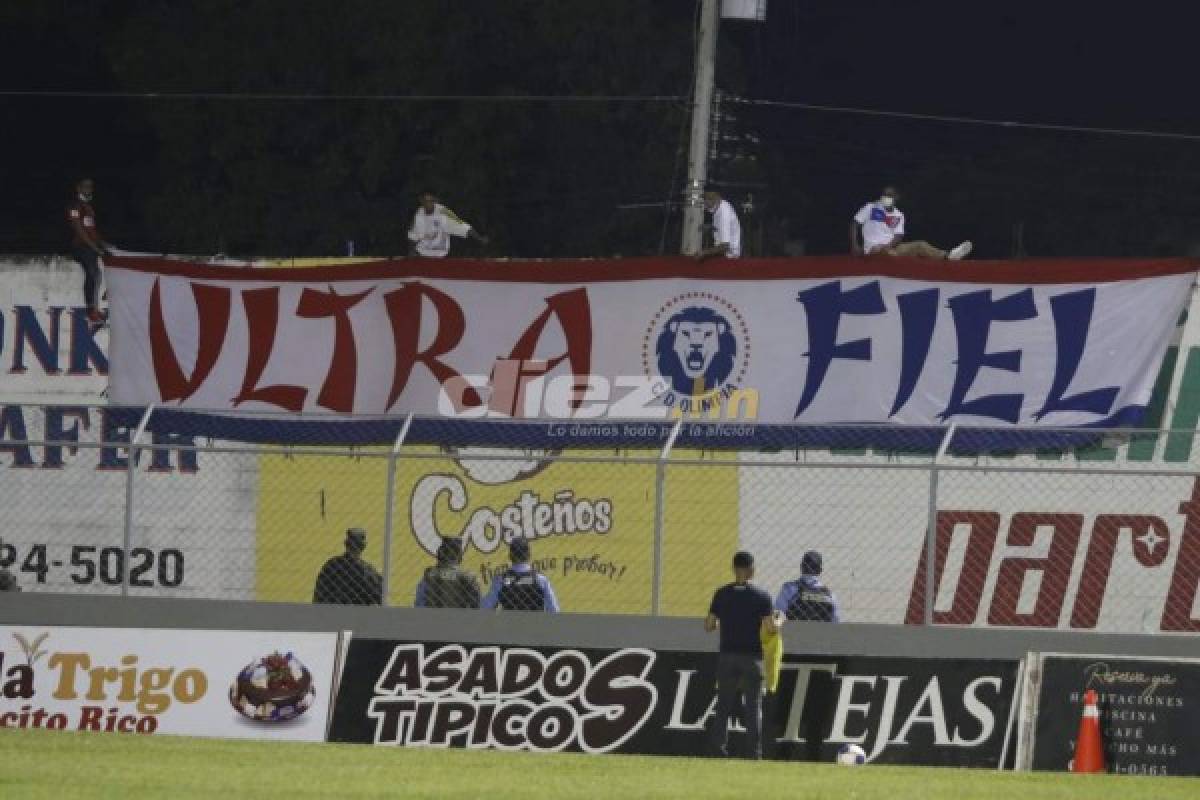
<point x="591" y="523"/>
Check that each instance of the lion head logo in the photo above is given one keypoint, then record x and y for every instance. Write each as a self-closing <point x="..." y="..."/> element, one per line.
<point x="696" y="350"/>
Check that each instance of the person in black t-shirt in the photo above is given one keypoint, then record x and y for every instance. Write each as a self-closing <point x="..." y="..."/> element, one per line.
<point x="741" y="612"/>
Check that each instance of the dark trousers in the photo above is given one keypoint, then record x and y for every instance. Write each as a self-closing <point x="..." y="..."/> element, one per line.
<point x="738" y="674"/>
<point x="91" y="273"/>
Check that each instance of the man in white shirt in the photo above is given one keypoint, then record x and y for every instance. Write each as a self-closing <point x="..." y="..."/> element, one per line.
<point x="882" y="227"/>
<point x="727" y="231"/>
<point x="434" y="224"/>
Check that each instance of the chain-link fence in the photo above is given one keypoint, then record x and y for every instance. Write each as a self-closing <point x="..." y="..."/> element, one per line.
<point x="1083" y="530"/>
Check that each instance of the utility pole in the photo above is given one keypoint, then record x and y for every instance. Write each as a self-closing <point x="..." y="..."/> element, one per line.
<point x="693" y="212"/>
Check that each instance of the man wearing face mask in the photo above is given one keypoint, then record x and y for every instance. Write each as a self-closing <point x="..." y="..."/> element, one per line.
<point x="882" y="227"/>
<point x="87" y="246"/>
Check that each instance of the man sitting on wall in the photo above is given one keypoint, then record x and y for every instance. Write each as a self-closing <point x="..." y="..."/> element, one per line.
<point x="882" y="227"/>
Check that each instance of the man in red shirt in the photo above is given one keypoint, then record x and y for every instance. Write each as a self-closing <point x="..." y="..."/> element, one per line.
<point x="86" y="245"/>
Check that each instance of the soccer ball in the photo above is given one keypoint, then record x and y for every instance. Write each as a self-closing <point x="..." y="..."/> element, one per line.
<point x="851" y="755"/>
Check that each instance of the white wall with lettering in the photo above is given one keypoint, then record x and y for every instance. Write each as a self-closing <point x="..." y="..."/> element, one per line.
<point x="48" y="352"/>
<point x="62" y="508"/>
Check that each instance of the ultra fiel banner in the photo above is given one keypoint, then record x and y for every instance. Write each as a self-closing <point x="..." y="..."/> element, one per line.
<point x="595" y="343"/>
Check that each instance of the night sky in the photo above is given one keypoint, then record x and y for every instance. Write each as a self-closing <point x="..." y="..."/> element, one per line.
<point x="1104" y="65"/>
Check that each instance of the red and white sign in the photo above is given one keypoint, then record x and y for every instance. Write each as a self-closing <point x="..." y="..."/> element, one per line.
<point x="801" y="340"/>
<point x="230" y="684"/>
<point x="1067" y="550"/>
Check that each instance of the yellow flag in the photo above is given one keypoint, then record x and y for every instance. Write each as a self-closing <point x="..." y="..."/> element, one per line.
<point x="772" y="645"/>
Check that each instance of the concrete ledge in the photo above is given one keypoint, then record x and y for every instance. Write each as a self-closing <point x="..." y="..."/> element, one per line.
<point x="578" y="630"/>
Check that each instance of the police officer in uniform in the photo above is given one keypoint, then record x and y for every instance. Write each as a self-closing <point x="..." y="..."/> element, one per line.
<point x="807" y="598"/>
<point x="348" y="579"/>
<point x="447" y="585"/>
<point x="742" y="612"/>
<point x="521" y="587"/>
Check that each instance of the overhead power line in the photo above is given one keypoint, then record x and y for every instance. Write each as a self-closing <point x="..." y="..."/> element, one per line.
<point x="386" y="98"/>
<point x="994" y="123"/>
<point x="599" y="98"/>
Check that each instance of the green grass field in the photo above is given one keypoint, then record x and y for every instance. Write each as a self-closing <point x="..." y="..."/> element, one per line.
<point x="70" y="765"/>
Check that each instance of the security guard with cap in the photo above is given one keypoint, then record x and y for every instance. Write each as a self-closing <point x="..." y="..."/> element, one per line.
<point x="521" y="587"/>
<point x="447" y="585"/>
<point x="807" y="598"/>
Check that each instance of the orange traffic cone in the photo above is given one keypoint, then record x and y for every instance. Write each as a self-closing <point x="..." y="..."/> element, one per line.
<point x="1089" y="749"/>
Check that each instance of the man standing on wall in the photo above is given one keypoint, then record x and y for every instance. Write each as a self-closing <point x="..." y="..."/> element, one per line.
<point x="742" y="612"/>
<point x="882" y="228"/>
<point x="727" y="230"/>
<point x="348" y="579"/>
<point x="87" y="246"/>
<point x="434" y="224"/>
<point x="521" y="587"/>
<point x="447" y="585"/>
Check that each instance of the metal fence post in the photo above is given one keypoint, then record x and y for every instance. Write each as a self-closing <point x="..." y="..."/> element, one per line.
<point x="130" y="471"/>
<point x="931" y="526"/>
<point x="390" y="511"/>
<point x="660" y="479"/>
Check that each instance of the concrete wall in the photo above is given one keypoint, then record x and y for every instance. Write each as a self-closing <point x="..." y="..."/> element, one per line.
<point x="578" y="630"/>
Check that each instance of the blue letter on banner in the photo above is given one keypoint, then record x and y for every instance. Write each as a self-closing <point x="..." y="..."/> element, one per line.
<point x="974" y="314"/>
<point x="1072" y="320"/>
<point x="918" y="316"/>
<point x="824" y="306"/>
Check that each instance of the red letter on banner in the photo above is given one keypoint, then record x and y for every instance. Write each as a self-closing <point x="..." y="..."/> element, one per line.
<point x="1146" y="531"/>
<point x="212" y="321"/>
<point x="262" y="315"/>
<point x="404" y="310"/>
<point x="1181" y="597"/>
<point x="575" y="318"/>
<point x="337" y="393"/>
<point x="1055" y="569"/>
<point x="981" y="542"/>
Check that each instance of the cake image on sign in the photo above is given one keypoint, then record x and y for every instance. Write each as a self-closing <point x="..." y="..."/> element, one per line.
<point x="274" y="688"/>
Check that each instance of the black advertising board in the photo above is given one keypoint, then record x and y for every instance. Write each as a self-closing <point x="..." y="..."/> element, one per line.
<point x="1148" y="719"/>
<point x="633" y="700"/>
